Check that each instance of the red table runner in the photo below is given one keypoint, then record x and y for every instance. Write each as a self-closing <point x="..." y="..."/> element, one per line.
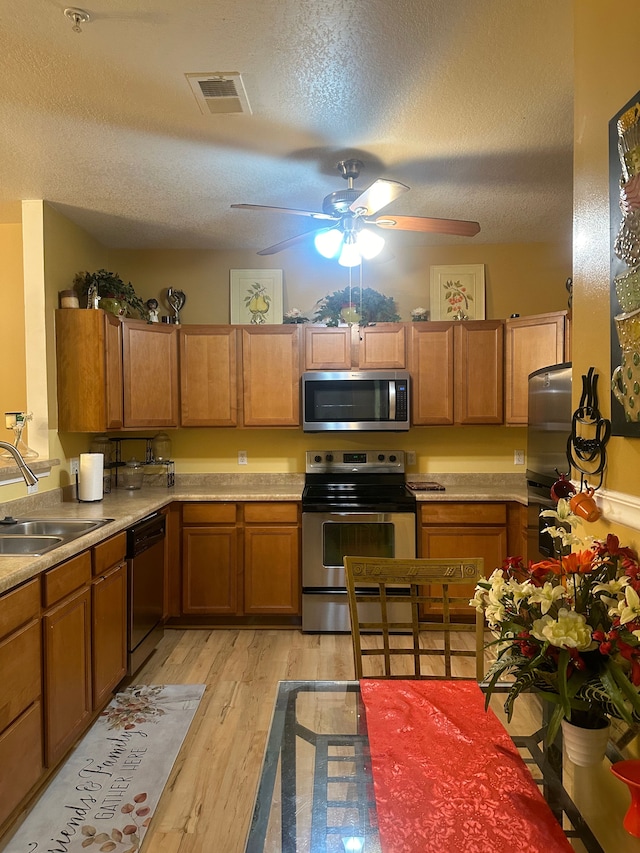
<point x="447" y="776"/>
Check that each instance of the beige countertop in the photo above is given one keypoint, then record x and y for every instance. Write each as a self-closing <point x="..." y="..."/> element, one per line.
<point x="124" y="508"/>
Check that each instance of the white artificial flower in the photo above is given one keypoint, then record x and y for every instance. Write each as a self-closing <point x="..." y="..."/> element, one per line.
<point x="569" y="630"/>
<point x="545" y="595"/>
<point x="629" y="607"/>
<point x="518" y="591"/>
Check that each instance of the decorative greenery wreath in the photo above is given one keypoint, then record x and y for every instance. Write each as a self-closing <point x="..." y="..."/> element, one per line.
<point x="373" y="307"/>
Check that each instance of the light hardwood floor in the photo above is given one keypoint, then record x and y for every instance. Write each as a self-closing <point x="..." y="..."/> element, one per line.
<point x="207" y="804"/>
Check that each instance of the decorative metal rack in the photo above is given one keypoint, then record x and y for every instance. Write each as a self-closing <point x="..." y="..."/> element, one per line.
<point x="169" y="464"/>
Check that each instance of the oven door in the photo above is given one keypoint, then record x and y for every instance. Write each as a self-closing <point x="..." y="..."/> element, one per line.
<point x="326" y="539"/>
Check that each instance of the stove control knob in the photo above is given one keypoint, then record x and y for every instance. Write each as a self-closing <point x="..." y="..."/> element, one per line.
<point x="317" y="458"/>
<point x="329" y="457"/>
<point x="380" y="457"/>
<point x="392" y="458"/>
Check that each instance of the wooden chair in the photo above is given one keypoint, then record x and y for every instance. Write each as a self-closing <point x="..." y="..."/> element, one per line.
<point x="425" y="629"/>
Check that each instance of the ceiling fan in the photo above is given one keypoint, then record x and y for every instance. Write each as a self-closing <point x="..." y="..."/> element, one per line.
<point x="351" y="238"/>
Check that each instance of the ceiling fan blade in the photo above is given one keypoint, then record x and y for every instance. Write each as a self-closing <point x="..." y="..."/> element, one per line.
<point x="310" y="213"/>
<point x="286" y="244"/>
<point x="428" y="225"/>
<point x="378" y="195"/>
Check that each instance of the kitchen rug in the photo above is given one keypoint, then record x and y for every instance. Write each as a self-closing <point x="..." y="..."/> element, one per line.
<point x="105" y="794"/>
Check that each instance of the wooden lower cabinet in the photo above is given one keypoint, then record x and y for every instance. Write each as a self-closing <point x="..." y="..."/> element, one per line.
<point x="241" y="559"/>
<point x="66" y="627"/>
<point x="108" y="618"/>
<point x="465" y="529"/>
<point x="271" y="558"/>
<point x="21" y="735"/>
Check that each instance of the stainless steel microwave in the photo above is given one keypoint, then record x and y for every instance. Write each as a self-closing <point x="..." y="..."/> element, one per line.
<point x="366" y="400"/>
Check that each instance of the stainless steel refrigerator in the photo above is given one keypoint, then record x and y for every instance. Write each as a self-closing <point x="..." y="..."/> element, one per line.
<point x="549" y="428"/>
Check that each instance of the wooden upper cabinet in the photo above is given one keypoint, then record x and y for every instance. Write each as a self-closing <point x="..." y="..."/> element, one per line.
<point x="479" y="372"/>
<point x="432" y="373"/>
<point x="380" y="347"/>
<point x="150" y="358"/>
<point x="327" y="348"/>
<point x="531" y="343"/>
<point x="271" y="376"/>
<point x="89" y="366"/>
<point x="457" y="372"/>
<point x="208" y="380"/>
<point x="383" y="347"/>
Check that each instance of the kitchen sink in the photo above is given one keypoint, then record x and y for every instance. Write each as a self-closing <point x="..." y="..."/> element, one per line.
<point x="35" y="536"/>
<point x="17" y="546"/>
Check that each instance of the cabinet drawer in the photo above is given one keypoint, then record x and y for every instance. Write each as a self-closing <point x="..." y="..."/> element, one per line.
<point x="20" y="759"/>
<point x="463" y="513"/>
<point x="209" y="513"/>
<point x="271" y="513"/>
<point x="19" y="606"/>
<point x="109" y="553"/>
<point x="20" y="668"/>
<point x="65" y="578"/>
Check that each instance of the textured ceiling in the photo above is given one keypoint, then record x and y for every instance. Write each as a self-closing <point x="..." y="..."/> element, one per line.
<point x="468" y="102"/>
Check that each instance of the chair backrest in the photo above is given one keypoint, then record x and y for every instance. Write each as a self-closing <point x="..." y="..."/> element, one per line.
<point x="411" y="617"/>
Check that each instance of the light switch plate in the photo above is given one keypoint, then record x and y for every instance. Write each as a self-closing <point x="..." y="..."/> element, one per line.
<point x="31" y="490"/>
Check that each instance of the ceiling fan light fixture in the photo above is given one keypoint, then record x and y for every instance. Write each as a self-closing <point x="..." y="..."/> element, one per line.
<point x="328" y="242"/>
<point x="369" y="243"/>
<point x="350" y="255"/>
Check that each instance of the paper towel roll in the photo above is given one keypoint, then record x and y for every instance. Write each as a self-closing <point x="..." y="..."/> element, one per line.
<point x="91" y="471"/>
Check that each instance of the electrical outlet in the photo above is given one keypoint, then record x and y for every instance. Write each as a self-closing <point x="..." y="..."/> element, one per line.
<point x="31" y="490"/>
<point x="411" y="457"/>
<point x="74" y="466"/>
<point x="518" y="457"/>
<point x="242" y="457"/>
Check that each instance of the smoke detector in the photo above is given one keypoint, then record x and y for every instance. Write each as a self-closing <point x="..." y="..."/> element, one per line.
<point x="220" y="92"/>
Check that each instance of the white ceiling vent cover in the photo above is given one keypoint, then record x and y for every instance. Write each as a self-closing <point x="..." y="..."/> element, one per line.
<point x="220" y="92"/>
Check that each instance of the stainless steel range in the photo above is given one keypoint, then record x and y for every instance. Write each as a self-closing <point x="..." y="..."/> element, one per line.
<point x="354" y="503"/>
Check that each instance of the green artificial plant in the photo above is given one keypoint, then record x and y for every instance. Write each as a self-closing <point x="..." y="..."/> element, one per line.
<point x="373" y="307"/>
<point x="110" y="285"/>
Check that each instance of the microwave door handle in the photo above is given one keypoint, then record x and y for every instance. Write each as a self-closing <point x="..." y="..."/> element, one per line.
<point x="392" y="400"/>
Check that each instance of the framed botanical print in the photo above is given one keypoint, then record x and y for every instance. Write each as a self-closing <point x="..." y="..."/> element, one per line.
<point x="457" y="292"/>
<point x="256" y="296"/>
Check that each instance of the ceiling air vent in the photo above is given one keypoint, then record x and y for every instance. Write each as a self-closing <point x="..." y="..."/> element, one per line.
<point x="220" y="92"/>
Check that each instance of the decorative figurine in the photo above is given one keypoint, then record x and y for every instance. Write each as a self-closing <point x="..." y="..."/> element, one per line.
<point x="176" y="300"/>
<point x="152" y="307"/>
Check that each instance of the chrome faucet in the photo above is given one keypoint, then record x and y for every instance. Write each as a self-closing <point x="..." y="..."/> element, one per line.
<point x="28" y="475"/>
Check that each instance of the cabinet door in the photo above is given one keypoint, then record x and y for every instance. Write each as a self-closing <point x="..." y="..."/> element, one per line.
<point x="89" y="371"/>
<point x="531" y="343"/>
<point x="67" y="673"/>
<point x="210" y="570"/>
<point x="382" y="347"/>
<point x="20" y="759"/>
<point x="208" y="384"/>
<point x="479" y="369"/>
<point x="271" y="376"/>
<point x="327" y="348"/>
<point x="271" y="569"/>
<point x="150" y="362"/>
<point x="431" y="367"/>
<point x="109" y="633"/>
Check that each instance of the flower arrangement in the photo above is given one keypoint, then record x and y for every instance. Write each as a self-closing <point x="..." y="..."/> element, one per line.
<point x="419" y="314"/>
<point x="294" y="315"/>
<point x="568" y="627"/>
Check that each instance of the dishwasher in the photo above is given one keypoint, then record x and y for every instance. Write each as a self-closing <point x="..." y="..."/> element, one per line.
<point x="145" y="585"/>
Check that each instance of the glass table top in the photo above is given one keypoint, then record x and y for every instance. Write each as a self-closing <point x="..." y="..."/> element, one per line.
<point x="315" y="792"/>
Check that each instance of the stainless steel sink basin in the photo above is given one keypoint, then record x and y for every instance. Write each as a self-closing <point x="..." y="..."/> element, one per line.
<point x="17" y="546"/>
<point x="35" y="536"/>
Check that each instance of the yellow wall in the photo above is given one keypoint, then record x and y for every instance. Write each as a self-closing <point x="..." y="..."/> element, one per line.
<point x="520" y="278"/>
<point x="606" y="77"/>
<point x="13" y="388"/>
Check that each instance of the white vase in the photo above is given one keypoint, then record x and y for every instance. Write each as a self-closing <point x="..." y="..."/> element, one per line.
<point x="585" y="747"/>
